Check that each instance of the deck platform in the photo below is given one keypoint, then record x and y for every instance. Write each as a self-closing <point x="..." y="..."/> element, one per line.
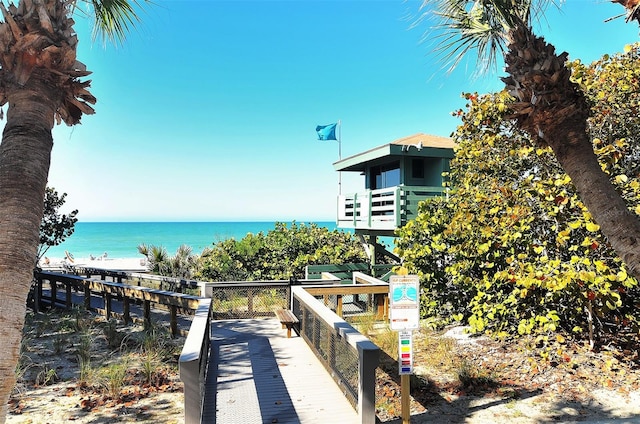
<point x="259" y="376"/>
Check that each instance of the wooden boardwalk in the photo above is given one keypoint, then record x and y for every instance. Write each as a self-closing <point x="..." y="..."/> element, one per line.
<point x="259" y="376"/>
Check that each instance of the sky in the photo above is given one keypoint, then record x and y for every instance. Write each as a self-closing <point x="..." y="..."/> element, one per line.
<point x="208" y="111"/>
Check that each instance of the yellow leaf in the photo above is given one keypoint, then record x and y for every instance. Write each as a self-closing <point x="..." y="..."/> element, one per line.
<point x="628" y="48"/>
<point x="592" y="227"/>
<point x="402" y="271"/>
<point x="621" y="178"/>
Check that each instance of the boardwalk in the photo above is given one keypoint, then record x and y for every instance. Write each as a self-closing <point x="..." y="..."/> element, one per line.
<point x="263" y="378"/>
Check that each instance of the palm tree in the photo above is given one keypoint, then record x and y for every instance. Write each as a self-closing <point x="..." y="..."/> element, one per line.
<point x="159" y="262"/>
<point x="547" y="104"/>
<point x="40" y="80"/>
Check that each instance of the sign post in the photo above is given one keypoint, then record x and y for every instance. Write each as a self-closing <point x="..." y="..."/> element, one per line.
<point x="404" y="317"/>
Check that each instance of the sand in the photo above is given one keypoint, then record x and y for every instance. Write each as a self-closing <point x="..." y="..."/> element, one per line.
<point x="114" y="264"/>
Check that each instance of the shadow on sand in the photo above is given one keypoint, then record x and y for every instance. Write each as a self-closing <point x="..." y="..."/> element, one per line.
<point x="473" y="406"/>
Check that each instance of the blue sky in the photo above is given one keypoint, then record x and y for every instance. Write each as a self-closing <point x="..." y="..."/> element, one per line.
<point x="208" y="111"/>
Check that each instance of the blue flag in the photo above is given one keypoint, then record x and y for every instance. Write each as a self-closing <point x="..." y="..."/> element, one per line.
<point x="326" y="132"/>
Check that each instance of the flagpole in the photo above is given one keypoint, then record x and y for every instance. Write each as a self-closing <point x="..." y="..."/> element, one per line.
<point x="339" y="155"/>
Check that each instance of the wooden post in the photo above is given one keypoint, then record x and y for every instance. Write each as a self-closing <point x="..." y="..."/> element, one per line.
<point x="38" y="304"/>
<point x="405" y="389"/>
<point x="174" y="320"/>
<point x="54" y="292"/>
<point x="147" y="313"/>
<point x="339" y="305"/>
<point x="126" y="311"/>
<point x="37" y="295"/>
<point x="87" y="298"/>
<point x="107" y="305"/>
<point x="250" y="302"/>
<point x="67" y="302"/>
<point x="382" y="306"/>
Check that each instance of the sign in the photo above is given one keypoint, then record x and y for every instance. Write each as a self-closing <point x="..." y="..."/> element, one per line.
<point x="405" y="352"/>
<point x="404" y="302"/>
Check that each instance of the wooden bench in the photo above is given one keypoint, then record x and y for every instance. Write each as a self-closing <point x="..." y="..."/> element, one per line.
<point x="287" y="319"/>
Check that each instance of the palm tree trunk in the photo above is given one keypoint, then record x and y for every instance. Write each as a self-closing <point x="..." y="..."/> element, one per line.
<point x="607" y="207"/>
<point x="25" y="154"/>
<point x="554" y="112"/>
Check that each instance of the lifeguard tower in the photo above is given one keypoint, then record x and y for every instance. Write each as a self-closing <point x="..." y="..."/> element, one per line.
<point x="397" y="176"/>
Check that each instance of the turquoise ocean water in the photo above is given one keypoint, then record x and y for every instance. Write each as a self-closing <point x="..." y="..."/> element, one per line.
<point x="121" y="239"/>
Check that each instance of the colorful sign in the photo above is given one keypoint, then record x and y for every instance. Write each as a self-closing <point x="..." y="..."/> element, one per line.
<point x="404" y="302"/>
<point x="405" y="352"/>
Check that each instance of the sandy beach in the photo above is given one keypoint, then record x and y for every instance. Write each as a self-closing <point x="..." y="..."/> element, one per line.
<point x="114" y="264"/>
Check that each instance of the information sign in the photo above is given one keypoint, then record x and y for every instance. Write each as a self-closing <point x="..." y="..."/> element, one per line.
<point x="404" y="302"/>
<point x="405" y="352"/>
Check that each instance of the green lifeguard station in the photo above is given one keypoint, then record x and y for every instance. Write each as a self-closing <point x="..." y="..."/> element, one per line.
<point x="397" y="176"/>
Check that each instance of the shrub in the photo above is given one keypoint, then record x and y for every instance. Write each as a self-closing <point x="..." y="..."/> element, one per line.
<point x="512" y="250"/>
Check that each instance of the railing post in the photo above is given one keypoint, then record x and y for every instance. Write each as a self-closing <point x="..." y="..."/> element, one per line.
<point x="87" y="296"/>
<point x="355" y="209"/>
<point x="174" y="320"/>
<point x="37" y="298"/>
<point x="370" y="217"/>
<point x="54" y="292"/>
<point x="67" y="300"/>
<point x="126" y="310"/>
<point x="250" y="302"/>
<point x="147" y="313"/>
<point x="398" y="207"/>
<point x="194" y="361"/>
<point x="369" y="355"/>
<point x="107" y="305"/>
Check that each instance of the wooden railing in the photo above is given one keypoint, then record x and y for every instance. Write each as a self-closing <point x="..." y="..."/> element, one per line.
<point x="110" y="292"/>
<point x="380" y="293"/>
<point x="350" y="358"/>
<point x="194" y="361"/>
<point x="159" y="282"/>
<point x="383" y="209"/>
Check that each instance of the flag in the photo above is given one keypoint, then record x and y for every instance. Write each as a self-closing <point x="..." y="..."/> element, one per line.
<point x="326" y="132"/>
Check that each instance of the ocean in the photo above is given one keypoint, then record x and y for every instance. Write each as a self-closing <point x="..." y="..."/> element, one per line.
<point x="121" y="239"/>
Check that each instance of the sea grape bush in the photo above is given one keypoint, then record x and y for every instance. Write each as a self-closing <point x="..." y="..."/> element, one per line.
<point x="512" y="249"/>
<point x="280" y="254"/>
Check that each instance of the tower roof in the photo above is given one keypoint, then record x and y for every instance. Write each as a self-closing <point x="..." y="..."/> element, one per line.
<point x="417" y="145"/>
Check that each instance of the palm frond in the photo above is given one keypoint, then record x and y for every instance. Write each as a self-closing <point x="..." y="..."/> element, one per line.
<point x="483" y="26"/>
<point x="114" y="19"/>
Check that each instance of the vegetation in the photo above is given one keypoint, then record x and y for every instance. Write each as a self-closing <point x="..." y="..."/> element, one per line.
<point x="513" y="250"/>
<point x="181" y="265"/>
<point x="55" y="227"/>
<point x="104" y="362"/>
<point x="548" y="105"/>
<point x="280" y="254"/>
